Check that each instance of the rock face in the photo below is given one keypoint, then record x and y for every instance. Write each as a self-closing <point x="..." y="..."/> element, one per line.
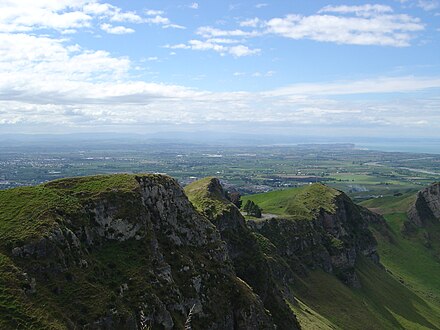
<point x="106" y="256"/>
<point x="426" y="208"/>
<point x="331" y="241"/>
<point x="262" y="270"/>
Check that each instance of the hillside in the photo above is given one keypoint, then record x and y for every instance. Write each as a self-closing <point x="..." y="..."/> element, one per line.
<point x="134" y="252"/>
<point x="116" y="252"/>
<point x="320" y="288"/>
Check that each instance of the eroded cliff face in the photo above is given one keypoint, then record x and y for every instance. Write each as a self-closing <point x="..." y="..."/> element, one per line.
<point x="331" y="241"/>
<point x="426" y="208"/>
<point x="262" y="269"/>
<point x="128" y="259"/>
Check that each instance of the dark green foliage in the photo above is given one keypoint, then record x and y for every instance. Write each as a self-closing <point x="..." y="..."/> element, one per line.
<point x="252" y="209"/>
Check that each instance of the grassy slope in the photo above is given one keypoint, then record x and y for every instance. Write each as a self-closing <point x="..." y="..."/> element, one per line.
<point x="409" y="258"/>
<point x="383" y="302"/>
<point x="301" y="203"/>
<point x="30" y="213"/>
<point x="209" y="202"/>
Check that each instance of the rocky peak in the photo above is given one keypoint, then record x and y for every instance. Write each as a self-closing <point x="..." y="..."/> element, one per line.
<point x="268" y="277"/>
<point x="426" y="208"/>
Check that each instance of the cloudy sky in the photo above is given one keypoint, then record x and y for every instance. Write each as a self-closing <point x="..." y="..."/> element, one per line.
<point x="340" y="68"/>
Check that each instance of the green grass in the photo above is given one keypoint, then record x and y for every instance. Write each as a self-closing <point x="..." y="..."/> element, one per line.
<point x="16" y="310"/>
<point x="298" y="203"/>
<point x="412" y="259"/>
<point x="391" y="204"/>
<point x="310" y="319"/>
<point x="381" y="303"/>
<point x="207" y="197"/>
<point x="416" y="265"/>
<point x="96" y="184"/>
<point x="29" y="213"/>
<point x="408" y="257"/>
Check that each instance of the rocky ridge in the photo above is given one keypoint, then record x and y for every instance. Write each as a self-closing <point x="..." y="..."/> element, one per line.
<point x="426" y="208"/>
<point x="268" y="275"/>
<point x="117" y="257"/>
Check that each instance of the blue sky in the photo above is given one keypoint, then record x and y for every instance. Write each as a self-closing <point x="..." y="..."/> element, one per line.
<point x="335" y="68"/>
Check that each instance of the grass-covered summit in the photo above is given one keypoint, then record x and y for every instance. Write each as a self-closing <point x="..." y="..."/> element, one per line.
<point x="299" y="203"/>
<point x="208" y="196"/>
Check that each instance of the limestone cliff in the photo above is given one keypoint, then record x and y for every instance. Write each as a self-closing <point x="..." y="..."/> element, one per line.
<point x="116" y="252"/>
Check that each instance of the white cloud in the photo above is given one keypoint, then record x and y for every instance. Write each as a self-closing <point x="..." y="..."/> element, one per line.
<point x="428" y="4"/>
<point x="210" y="32"/>
<point x="51" y="82"/>
<point x="153" y="12"/>
<point x="242" y="50"/>
<point x="111" y="12"/>
<point x="261" y="5"/>
<point x="156" y="17"/>
<point x="66" y="16"/>
<point x="222" y="48"/>
<point x="158" y="20"/>
<point x="363" y="10"/>
<point x="22" y="19"/>
<point x="370" y="86"/>
<point x="115" y="29"/>
<point x="371" y="25"/>
<point x="194" y="5"/>
<point x="423" y="4"/>
<point x="253" y="22"/>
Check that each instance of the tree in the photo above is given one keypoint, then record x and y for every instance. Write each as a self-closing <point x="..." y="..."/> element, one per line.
<point x="247" y="206"/>
<point x="252" y="209"/>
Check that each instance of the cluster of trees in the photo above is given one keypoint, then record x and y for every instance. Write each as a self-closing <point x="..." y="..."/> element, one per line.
<point x="252" y="209"/>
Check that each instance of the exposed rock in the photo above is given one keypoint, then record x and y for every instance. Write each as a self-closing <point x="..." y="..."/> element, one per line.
<point x="123" y="257"/>
<point x="426" y="208"/>
<point x="268" y="278"/>
<point x="331" y="241"/>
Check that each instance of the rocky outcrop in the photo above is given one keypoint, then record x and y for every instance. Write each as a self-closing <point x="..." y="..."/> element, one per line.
<point x="269" y="278"/>
<point x="130" y="258"/>
<point x="426" y="208"/>
<point x="331" y="241"/>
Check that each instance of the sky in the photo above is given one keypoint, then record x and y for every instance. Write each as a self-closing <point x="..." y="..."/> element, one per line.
<point x="299" y="68"/>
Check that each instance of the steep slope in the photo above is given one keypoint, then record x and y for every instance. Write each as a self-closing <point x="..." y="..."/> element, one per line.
<point x="116" y="252"/>
<point x="341" y="284"/>
<point x="261" y="268"/>
<point x="410" y="249"/>
<point x="407" y="255"/>
<point x="321" y="227"/>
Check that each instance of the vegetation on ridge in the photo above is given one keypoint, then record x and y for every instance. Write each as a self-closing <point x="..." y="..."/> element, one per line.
<point x="298" y="203"/>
